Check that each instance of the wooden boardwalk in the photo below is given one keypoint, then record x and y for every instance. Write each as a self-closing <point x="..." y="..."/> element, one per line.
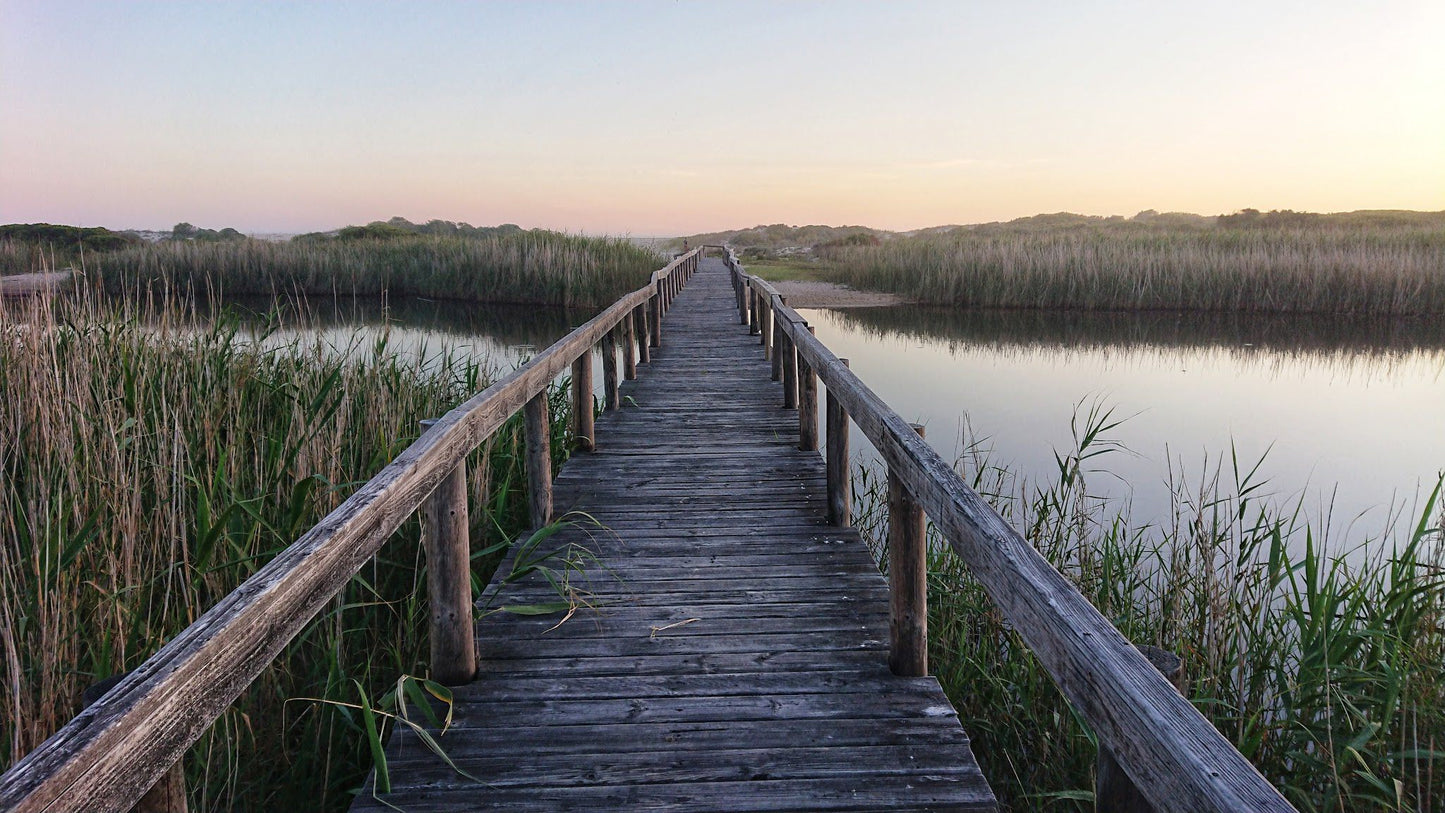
<point x="733" y="656"/>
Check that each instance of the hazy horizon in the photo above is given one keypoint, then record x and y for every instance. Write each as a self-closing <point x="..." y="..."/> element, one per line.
<point x="663" y="119"/>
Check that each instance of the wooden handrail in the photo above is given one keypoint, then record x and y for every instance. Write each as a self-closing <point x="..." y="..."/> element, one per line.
<point x="111" y="753"/>
<point x="1171" y="752"/>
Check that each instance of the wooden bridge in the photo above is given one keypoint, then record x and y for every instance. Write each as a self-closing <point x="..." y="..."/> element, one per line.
<point x="732" y="646"/>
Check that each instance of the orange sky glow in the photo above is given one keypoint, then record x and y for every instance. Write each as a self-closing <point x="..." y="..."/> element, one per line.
<point x="656" y="118"/>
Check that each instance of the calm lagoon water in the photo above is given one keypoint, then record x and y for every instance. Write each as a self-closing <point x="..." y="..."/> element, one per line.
<point x="1347" y="415"/>
<point x="498" y="336"/>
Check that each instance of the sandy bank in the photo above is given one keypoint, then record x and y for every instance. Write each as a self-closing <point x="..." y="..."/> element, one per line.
<point x="812" y="294"/>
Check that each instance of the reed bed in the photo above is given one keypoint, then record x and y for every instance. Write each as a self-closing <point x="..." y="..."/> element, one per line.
<point x="1320" y="662"/>
<point x="149" y="463"/>
<point x="1361" y="270"/>
<point x="534" y="267"/>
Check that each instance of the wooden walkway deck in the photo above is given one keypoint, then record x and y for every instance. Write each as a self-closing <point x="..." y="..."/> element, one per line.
<point x="734" y="657"/>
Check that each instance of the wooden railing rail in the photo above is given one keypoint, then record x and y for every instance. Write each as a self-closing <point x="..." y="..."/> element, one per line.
<point x="110" y="754"/>
<point x="1172" y="754"/>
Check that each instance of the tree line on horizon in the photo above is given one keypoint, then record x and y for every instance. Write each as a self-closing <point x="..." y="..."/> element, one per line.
<point x="33" y="246"/>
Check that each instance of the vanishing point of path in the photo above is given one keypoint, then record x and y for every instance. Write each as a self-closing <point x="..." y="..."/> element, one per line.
<point x="734" y="653"/>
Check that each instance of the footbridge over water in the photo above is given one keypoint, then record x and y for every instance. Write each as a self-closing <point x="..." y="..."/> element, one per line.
<point x="733" y="647"/>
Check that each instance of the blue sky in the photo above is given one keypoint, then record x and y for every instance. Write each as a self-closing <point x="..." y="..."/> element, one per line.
<point x="670" y="117"/>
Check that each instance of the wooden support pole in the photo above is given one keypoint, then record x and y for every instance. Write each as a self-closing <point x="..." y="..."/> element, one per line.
<point x="907" y="580"/>
<point x="446" y="535"/>
<point x="656" y="318"/>
<point x="776" y="338"/>
<point x="740" y="288"/>
<point x="629" y="348"/>
<point x="753" y="326"/>
<point x="539" y="459"/>
<point x="610" y="383"/>
<point x="840" y="488"/>
<point x="1114" y="791"/>
<point x="790" y="369"/>
<point x="765" y="324"/>
<point x="644" y="335"/>
<point x="582" y="415"/>
<point x="807" y="405"/>
<point x="168" y="794"/>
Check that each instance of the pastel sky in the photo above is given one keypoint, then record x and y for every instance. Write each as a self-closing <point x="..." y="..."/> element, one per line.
<point x="653" y="118"/>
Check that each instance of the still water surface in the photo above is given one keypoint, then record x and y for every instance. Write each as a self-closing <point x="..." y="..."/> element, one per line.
<point x="1348" y="415"/>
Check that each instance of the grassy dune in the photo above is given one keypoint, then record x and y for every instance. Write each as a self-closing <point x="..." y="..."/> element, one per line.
<point x="1350" y="267"/>
<point x="148" y="466"/>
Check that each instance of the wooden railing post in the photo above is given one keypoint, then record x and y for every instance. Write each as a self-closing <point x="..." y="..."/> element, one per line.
<point x="776" y="339"/>
<point x="539" y="459"/>
<point x="907" y="580"/>
<point x="644" y="335"/>
<point x="754" y="327"/>
<point x="789" y="353"/>
<point x="168" y="794"/>
<point x="740" y="288"/>
<point x="582" y="415"/>
<point x="656" y="318"/>
<point x="629" y="349"/>
<point x="1114" y="791"/>
<point x="840" y="488"/>
<point x="765" y="324"/>
<point x="446" y="536"/>
<point x="613" y="398"/>
<point x="807" y="404"/>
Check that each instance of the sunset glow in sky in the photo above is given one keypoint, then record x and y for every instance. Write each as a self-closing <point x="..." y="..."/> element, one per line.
<point x="657" y="118"/>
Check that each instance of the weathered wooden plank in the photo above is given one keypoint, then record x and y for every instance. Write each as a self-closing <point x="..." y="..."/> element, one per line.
<point x="726" y="630"/>
<point x="861" y="792"/>
<point x="584" y="769"/>
<point x="680" y="738"/>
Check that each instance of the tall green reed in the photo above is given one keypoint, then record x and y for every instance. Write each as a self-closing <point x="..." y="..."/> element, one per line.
<point x="150" y="462"/>
<point x="1361" y="270"/>
<point x="523" y="267"/>
<point x="1321" y="663"/>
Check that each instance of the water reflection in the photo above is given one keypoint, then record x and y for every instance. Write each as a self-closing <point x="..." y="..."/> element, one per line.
<point x="498" y="335"/>
<point x="1349" y="414"/>
<point x="1083" y="330"/>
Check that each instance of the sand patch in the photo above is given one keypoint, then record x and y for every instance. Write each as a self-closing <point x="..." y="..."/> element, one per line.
<point x="813" y="294"/>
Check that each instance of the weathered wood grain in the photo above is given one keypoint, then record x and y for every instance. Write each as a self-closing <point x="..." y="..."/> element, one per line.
<point x="907" y="580"/>
<point x="584" y="433"/>
<point x="1175" y="757"/>
<point x="611" y="400"/>
<point x="807" y="404"/>
<point x="446" y="537"/>
<point x="789" y="361"/>
<point x="538" y="431"/>
<point x="112" y="752"/>
<point x="629" y="349"/>
<point x="840" y="485"/>
<point x="729" y="649"/>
